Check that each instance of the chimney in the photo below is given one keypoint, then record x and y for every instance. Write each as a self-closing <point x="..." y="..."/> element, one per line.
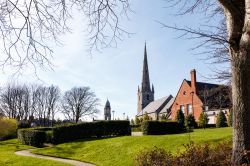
<point x="193" y="80"/>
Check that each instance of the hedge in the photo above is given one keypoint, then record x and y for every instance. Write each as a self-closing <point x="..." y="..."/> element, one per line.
<point x="161" y="127"/>
<point x="68" y="133"/>
<point x="32" y="137"/>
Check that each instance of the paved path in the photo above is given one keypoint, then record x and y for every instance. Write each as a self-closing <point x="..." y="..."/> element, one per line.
<point x="73" y="162"/>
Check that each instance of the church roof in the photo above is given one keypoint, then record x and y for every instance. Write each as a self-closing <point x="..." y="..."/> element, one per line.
<point x="167" y="106"/>
<point x="157" y="105"/>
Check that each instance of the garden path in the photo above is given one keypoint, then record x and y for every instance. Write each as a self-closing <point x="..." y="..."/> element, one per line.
<point x="27" y="152"/>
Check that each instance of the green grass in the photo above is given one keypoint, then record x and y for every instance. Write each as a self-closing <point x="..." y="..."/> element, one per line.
<point x="122" y="150"/>
<point x="7" y="156"/>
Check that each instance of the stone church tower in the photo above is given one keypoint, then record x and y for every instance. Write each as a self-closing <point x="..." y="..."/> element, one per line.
<point x="107" y="111"/>
<point x="145" y="94"/>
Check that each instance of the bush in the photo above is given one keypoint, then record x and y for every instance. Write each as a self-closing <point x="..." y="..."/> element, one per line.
<point x="68" y="133"/>
<point x="203" y="120"/>
<point x="31" y="137"/>
<point x="154" y="157"/>
<point x="159" y="128"/>
<point x="180" y="118"/>
<point x="196" y="155"/>
<point x="145" y="117"/>
<point x="190" y="121"/>
<point x="8" y="128"/>
<point x="221" y="120"/>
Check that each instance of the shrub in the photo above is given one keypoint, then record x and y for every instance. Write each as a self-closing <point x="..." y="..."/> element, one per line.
<point x="196" y="155"/>
<point x="90" y="129"/>
<point x="154" y="157"/>
<point x="221" y="120"/>
<point x="8" y="128"/>
<point x="163" y="117"/>
<point x="31" y="137"/>
<point x="180" y="118"/>
<point x="145" y="117"/>
<point x="159" y="128"/>
<point x="137" y="120"/>
<point x="190" y="121"/>
<point x="203" y="120"/>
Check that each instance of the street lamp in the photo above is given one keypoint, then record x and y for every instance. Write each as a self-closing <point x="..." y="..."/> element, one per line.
<point x="113" y="114"/>
<point x="123" y="116"/>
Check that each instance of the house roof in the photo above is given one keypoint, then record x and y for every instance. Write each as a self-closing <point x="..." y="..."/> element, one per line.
<point x="213" y="95"/>
<point x="157" y="105"/>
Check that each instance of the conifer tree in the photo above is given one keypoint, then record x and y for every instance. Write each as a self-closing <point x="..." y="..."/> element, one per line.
<point x="190" y="121"/>
<point x="180" y="118"/>
<point x="203" y="120"/>
<point x="221" y="120"/>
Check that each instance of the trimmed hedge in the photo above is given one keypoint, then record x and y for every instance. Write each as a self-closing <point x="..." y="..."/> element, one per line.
<point x="68" y="133"/>
<point x="161" y="127"/>
<point x="32" y="137"/>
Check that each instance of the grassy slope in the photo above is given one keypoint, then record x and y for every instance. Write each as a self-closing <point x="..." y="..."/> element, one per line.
<point x="122" y="150"/>
<point x="7" y="156"/>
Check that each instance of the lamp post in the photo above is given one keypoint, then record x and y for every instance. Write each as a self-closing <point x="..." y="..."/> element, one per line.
<point x="123" y="116"/>
<point x="113" y="114"/>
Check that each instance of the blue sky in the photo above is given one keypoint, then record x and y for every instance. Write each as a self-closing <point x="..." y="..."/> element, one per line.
<point x="115" y="73"/>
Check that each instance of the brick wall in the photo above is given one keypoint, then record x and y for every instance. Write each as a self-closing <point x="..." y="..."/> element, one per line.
<point x="184" y="97"/>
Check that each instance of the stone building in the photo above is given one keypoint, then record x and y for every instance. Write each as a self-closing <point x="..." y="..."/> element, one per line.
<point x="145" y="93"/>
<point x="145" y="96"/>
<point x="196" y="97"/>
<point x="107" y="111"/>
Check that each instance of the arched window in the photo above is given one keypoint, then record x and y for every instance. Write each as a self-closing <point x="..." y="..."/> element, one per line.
<point x="147" y="97"/>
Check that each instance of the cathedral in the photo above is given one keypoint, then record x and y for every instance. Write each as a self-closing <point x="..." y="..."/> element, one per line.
<point x="145" y="96"/>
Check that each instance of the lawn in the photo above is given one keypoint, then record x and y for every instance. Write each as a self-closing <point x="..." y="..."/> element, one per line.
<point x="122" y="150"/>
<point x="7" y="156"/>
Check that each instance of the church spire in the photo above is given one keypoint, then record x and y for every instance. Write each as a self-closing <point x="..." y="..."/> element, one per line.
<point x="145" y="74"/>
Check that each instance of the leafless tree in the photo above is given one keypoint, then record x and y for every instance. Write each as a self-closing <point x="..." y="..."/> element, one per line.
<point x="237" y="22"/>
<point x="27" y="27"/>
<point x="15" y="101"/>
<point x="79" y="102"/>
<point x="52" y="101"/>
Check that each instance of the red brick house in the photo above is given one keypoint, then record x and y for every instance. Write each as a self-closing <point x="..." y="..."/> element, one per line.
<point x="194" y="97"/>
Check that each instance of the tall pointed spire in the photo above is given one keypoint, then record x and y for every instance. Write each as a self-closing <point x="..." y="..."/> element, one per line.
<point x="145" y="74"/>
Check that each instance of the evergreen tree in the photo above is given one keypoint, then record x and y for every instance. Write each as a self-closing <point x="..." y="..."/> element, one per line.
<point x="146" y="117"/>
<point x="203" y="120"/>
<point x="190" y="121"/>
<point x="180" y="118"/>
<point x="163" y="117"/>
<point x="230" y="119"/>
<point x="221" y="120"/>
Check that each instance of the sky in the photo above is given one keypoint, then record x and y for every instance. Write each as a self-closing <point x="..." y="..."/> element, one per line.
<point x="115" y="73"/>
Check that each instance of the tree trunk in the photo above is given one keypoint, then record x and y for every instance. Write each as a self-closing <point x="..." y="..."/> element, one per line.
<point x="241" y="102"/>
